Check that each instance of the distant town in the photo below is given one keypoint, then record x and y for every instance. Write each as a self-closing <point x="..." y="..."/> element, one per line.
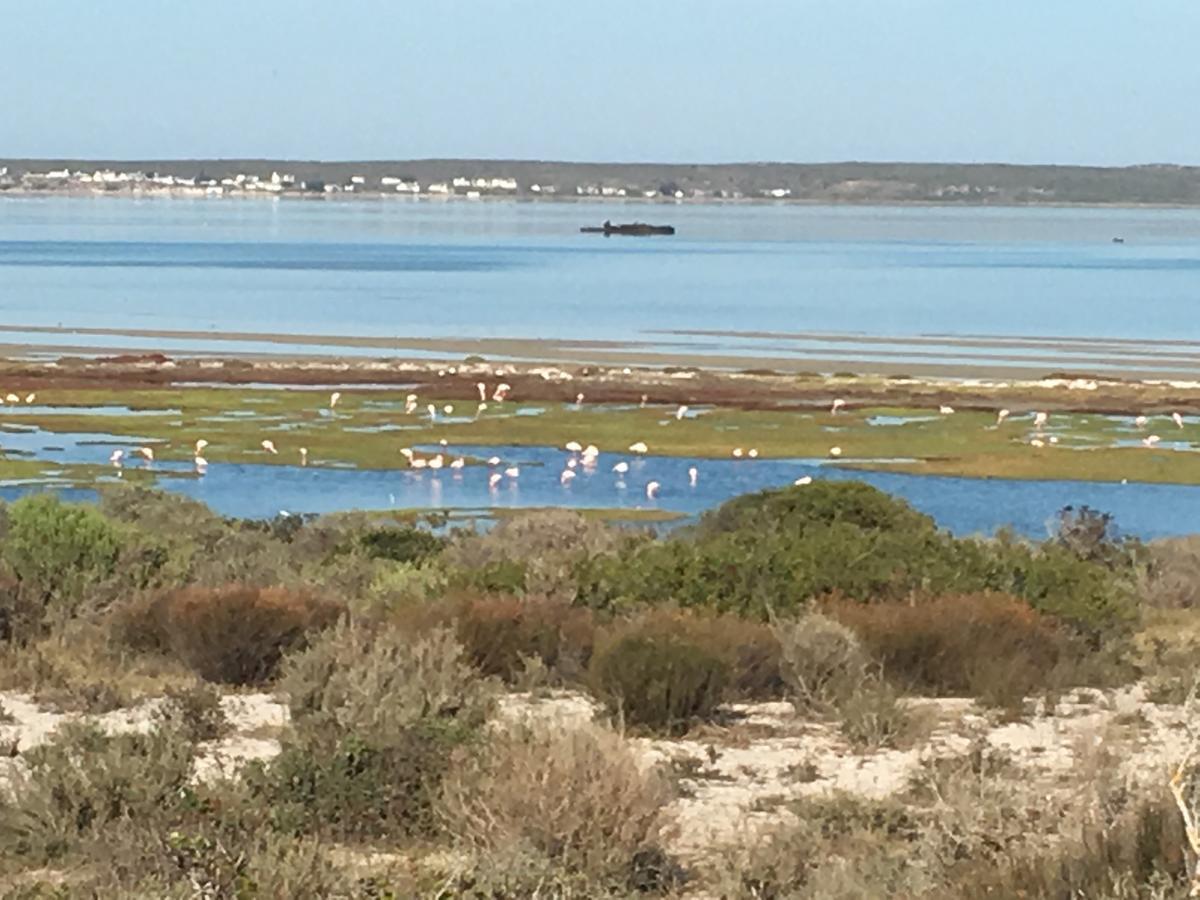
<point x="535" y="180"/>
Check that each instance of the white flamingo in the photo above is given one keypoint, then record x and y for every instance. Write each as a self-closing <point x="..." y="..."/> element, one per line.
<point x="1151" y="440"/>
<point x="437" y="462"/>
<point x="693" y="475"/>
<point x="334" y="398"/>
<point x="639" y="448"/>
<point x="837" y="405"/>
<point x="493" y="461"/>
<point x="458" y="463"/>
<point x="621" y="468"/>
<point x="407" y="453"/>
<point x="448" y="409"/>
<point x="835" y="452"/>
<point x="803" y="480"/>
<point x="738" y="452"/>
<point x="652" y="490"/>
<point x="432" y="410"/>
<point x="946" y="410"/>
<point x="116" y="456"/>
<point x="494" y="479"/>
<point x="573" y="446"/>
<point x="147" y="453"/>
<point x="419" y="463"/>
<point x="752" y="453"/>
<point x="12" y="398"/>
<point x="1001" y="416"/>
<point x="579" y="399"/>
<point x="501" y="392"/>
<point x="269" y="446"/>
<point x="29" y="398"/>
<point x="482" y="388"/>
<point x="680" y="413"/>
<point x="642" y="404"/>
<point x="513" y="472"/>
<point x="1177" y="419"/>
<point x="201" y="465"/>
<point x="1037" y="443"/>
<point x="304" y="456"/>
<point x="572" y="462"/>
<point x="1140" y="421"/>
<point x="566" y="476"/>
<point x="200" y="445"/>
<point x="1040" y="419"/>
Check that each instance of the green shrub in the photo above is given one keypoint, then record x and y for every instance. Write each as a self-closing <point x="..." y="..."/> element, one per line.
<point x="376" y="714"/>
<point x="231" y="635"/>
<point x="577" y="797"/>
<point x="58" y="550"/>
<point x="195" y="712"/>
<point x="659" y="681"/>
<point x="406" y="544"/>
<point x="821" y="661"/>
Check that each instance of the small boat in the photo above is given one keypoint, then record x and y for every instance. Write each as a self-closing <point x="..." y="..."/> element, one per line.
<point x="635" y="229"/>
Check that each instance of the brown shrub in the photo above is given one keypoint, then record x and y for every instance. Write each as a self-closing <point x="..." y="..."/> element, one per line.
<point x="233" y="635"/>
<point x="989" y="646"/>
<point x="576" y="796"/>
<point x="1172" y="578"/>
<point x="501" y="632"/>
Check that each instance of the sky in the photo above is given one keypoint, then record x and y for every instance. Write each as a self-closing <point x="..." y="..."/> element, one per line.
<point x="1022" y="81"/>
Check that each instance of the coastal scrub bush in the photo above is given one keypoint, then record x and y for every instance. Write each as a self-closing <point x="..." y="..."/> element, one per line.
<point x="576" y="796"/>
<point x="988" y="646"/>
<point x="821" y="661"/>
<point x="195" y="711"/>
<point x="58" y="552"/>
<point x="501" y="633"/>
<point x="658" y="680"/>
<point x="376" y="714"/>
<point x="84" y="780"/>
<point x="234" y="634"/>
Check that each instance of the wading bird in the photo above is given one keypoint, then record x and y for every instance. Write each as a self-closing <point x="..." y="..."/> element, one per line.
<point x="680" y="413"/>
<point x="407" y="453"/>
<point x="573" y="446"/>
<point x="494" y="461"/>
<point x="737" y="453"/>
<point x="835" y="451"/>
<point x="448" y="409"/>
<point x="572" y="462"/>
<point x="419" y="463"/>
<point x="432" y="410"/>
<point x="803" y="480"/>
<point x="1040" y="419"/>
<point x="116" y="456"/>
<point x="482" y="388"/>
<point x="436" y="462"/>
<point x="12" y="398"/>
<point x="513" y="472"/>
<point x="1151" y="439"/>
<point x="1001" y="416"/>
<point x="837" y="404"/>
<point x="621" y="468"/>
<point x="147" y="453"/>
<point x="566" y="476"/>
<point x="458" y="463"/>
<point x="334" y="398"/>
<point x="304" y="456"/>
<point x="201" y="465"/>
<point x="269" y="446"/>
<point x="501" y="392"/>
<point x="639" y="448"/>
<point x="652" y="490"/>
<point x="752" y="453"/>
<point x="494" y="479"/>
<point x="946" y="410"/>
<point x="1037" y="443"/>
<point x="579" y="399"/>
<point x="1140" y="421"/>
<point x="29" y="398"/>
<point x="693" y="475"/>
<point x="200" y="445"/>
<point x="1177" y="419"/>
<point x="645" y="398"/>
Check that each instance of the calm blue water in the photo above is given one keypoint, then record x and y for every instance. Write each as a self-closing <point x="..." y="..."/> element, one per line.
<point x="963" y="505"/>
<point x="513" y="269"/>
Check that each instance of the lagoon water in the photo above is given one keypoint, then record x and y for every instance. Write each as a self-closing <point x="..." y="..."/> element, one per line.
<point x="518" y="269"/>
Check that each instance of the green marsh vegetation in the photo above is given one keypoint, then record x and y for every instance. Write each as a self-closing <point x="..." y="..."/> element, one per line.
<point x="396" y="647"/>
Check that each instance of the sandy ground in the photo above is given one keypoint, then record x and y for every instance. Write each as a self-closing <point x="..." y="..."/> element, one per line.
<point x="735" y="777"/>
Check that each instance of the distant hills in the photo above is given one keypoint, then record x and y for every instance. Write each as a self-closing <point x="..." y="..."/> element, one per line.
<point x="883" y="183"/>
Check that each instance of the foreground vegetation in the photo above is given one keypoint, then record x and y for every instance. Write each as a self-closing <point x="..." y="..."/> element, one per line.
<point x="402" y="771"/>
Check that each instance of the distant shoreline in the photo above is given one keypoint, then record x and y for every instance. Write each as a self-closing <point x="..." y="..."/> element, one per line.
<point x="849" y="184"/>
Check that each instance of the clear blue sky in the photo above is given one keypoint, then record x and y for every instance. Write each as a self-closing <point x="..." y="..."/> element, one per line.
<point x="1063" y="81"/>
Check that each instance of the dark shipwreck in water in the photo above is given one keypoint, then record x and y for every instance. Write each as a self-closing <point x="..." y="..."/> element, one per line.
<point x="635" y="229"/>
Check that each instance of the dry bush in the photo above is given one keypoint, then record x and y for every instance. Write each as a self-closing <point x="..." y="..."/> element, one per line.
<point x="232" y="635"/>
<point x="1172" y="578"/>
<point x="822" y="661"/>
<point x="502" y="633"/>
<point x="80" y="668"/>
<point x="196" y="712"/>
<point x="83" y="781"/>
<point x="657" y="679"/>
<point x="576" y="796"/>
<point x="933" y="646"/>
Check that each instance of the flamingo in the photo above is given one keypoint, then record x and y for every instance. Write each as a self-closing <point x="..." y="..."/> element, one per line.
<point x="200" y="445"/>
<point x="29" y="398"/>
<point x="652" y="490"/>
<point x="437" y="462"/>
<point x="12" y="398"/>
<point x="147" y="453"/>
<point x="410" y="407"/>
<point x="803" y="480"/>
<point x="1040" y="419"/>
<point x="1001" y="416"/>
<point x="458" y="463"/>
<point x="752" y="453"/>
<point x="645" y="397"/>
<point x="621" y="468"/>
<point x="269" y="446"/>
<point x="639" y="448"/>
<point x="493" y="461"/>
<point x="1053" y="439"/>
<point x="494" y="479"/>
<point x="432" y="410"/>
<point x="201" y="465"/>
<point x="407" y="453"/>
<point x="448" y="409"/>
<point x="693" y="475"/>
<point x="480" y="409"/>
<point x="835" y="452"/>
<point x="420" y="463"/>
<point x="946" y="410"/>
<point x="513" y="472"/>
<point x="737" y="452"/>
<point x="304" y="456"/>
<point x="566" y="476"/>
<point x="1177" y="418"/>
<point x="116" y="456"/>
<point x="501" y="392"/>
<point x="1140" y="422"/>
<point x="572" y="462"/>
<point x="573" y="446"/>
<point x="334" y="398"/>
<point x="1037" y="443"/>
<point x="591" y="450"/>
<point x="579" y="399"/>
<point x="482" y="388"/>
<point x="452" y="370"/>
<point x="443" y="443"/>
<point x="1151" y="440"/>
<point x="680" y="413"/>
<point x="837" y="404"/>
